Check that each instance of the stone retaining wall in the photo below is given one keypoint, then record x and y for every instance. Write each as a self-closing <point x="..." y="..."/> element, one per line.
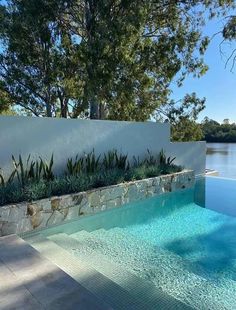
<point x="27" y="216"/>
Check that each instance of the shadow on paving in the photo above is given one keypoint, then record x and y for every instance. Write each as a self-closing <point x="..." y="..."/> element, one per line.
<point x="29" y="281"/>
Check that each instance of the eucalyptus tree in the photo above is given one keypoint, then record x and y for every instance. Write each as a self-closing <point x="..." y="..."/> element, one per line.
<point x="136" y="49"/>
<point x="229" y="35"/>
<point x="111" y="59"/>
<point x="38" y="67"/>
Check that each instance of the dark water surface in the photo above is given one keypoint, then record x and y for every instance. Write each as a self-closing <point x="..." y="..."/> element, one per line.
<point x="222" y="157"/>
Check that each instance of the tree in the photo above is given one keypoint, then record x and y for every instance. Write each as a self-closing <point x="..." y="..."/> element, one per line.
<point x="38" y="68"/>
<point x="229" y="35"/>
<point x="226" y="121"/>
<point x="114" y="59"/>
<point x="215" y="132"/>
<point x="182" y="116"/>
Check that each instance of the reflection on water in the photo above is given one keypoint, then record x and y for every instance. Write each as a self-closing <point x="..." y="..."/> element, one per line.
<point x="216" y="194"/>
<point x="211" y="151"/>
<point x="222" y="157"/>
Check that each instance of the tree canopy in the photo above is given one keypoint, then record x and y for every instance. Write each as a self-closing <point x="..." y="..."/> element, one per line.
<point x="113" y="59"/>
<point x="182" y="115"/>
<point x="216" y="132"/>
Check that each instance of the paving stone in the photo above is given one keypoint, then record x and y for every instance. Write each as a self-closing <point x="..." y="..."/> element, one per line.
<point x="33" y="282"/>
<point x="14" y="295"/>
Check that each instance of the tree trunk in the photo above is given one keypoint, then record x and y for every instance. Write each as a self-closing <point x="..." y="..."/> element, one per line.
<point x="48" y="102"/>
<point x="90" y="17"/>
<point x="102" y="112"/>
<point x="94" y="110"/>
<point x="48" y="109"/>
<point x="64" y="108"/>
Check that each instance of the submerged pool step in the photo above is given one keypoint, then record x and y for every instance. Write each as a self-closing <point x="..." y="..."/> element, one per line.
<point x="144" y="293"/>
<point x="102" y="287"/>
<point x="166" y="269"/>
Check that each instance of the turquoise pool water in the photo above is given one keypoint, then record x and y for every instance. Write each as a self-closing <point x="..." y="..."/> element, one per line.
<point x="184" y="243"/>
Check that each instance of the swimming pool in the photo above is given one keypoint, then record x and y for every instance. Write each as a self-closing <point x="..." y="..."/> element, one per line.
<point x="181" y="243"/>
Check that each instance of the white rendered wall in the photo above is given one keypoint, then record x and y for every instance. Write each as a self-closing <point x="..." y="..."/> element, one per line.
<point x="68" y="137"/>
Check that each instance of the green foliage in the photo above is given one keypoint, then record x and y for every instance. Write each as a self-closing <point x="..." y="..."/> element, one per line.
<point x="121" y="161"/>
<point x="75" y="167"/>
<point x="109" y="160"/>
<point x="4" y="182"/>
<point x="165" y="161"/>
<point x="215" y="132"/>
<point x="182" y="116"/>
<point x="109" y="177"/>
<point x="47" y="169"/>
<point x="151" y="159"/>
<point x="11" y="193"/>
<point x="136" y="173"/>
<point x="229" y="30"/>
<point x="152" y="171"/>
<point x="24" y="173"/>
<point x="91" y="162"/>
<point x="113" y="159"/>
<point x="28" y="171"/>
<point x="32" y="180"/>
<point x="37" y="190"/>
<point x="187" y="130"/>
<point x="106" y="59"/>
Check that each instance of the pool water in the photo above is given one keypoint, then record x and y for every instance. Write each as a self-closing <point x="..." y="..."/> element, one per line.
<point x="183" y="243"/>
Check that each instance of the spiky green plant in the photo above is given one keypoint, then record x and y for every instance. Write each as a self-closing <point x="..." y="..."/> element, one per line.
<point x="91" y="162"/>
<point x="109" y="160"/>
<point x="9" y="180"/>
<point x="24" y="172"/>
<point x="121" y="161"/>
<point x="47" y="169"/>
<point x="74" y="167"/>
<point x="163" y="160"/>
<point x="151" y="159"/>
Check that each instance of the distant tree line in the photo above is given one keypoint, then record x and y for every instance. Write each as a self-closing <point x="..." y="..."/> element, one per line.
<point x="216" y="132"/>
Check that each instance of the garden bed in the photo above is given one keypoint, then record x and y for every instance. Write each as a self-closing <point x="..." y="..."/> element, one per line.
<point x="28" y="216"/>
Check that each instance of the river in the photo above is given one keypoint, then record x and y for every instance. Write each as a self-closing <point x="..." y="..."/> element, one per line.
<point x="222" y="157"/>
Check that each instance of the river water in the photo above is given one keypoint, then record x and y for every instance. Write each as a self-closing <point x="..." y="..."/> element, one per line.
<point x="222" y="157"/>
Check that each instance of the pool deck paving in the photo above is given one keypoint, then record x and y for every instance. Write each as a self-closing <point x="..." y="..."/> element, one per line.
<point x="42" y="275"/>
<point x="30" y="281"/>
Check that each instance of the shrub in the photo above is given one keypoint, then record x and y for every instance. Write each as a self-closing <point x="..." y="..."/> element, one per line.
<point x="35" y="180"/>
<point x="136" y="173"/>
<point x="11" y="193"/>
<point x="37" y="190"/>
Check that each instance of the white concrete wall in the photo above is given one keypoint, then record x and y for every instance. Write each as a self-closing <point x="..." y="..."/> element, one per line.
<point x="191" y="155"/>
<point x="68" y="137"/>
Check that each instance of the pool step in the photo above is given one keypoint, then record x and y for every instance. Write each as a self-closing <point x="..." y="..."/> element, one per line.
<point x="147" y="295"/>
<point x="166" y="269"/>
<point x="102" y="287"/>
<point x="30" y="281"/>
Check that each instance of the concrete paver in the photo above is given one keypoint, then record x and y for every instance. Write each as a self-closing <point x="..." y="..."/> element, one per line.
<point x="30" y="281"/>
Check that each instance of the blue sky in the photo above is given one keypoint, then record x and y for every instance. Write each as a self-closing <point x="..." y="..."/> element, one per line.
<point x="218" y="85"/>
